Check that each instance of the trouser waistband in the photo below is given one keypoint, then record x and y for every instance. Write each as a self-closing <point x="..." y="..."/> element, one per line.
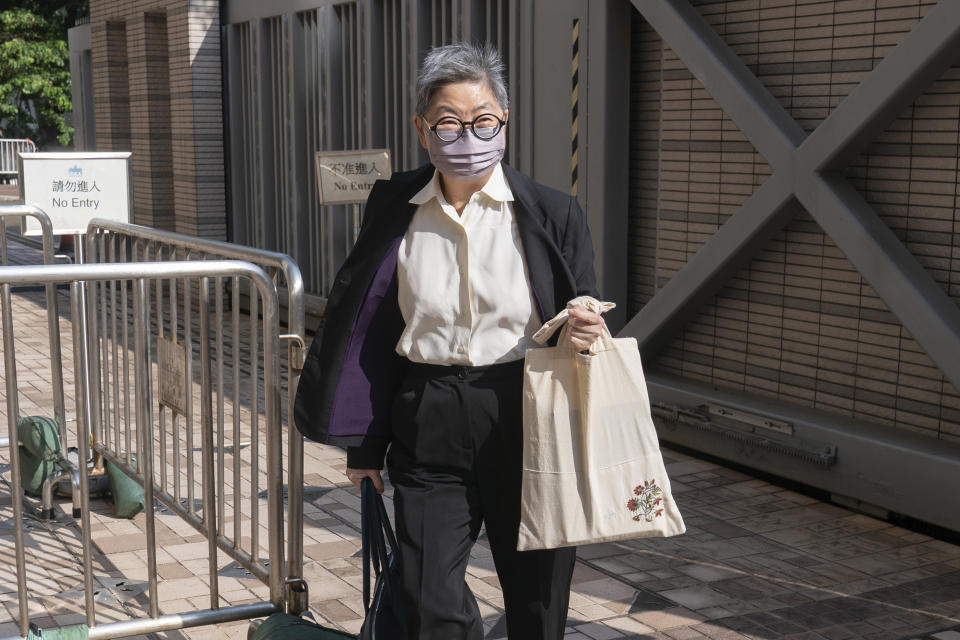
<point x="463" y="372"/>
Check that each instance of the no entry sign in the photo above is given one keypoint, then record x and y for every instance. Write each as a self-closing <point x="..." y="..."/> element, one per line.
<point x="73" y="188"/>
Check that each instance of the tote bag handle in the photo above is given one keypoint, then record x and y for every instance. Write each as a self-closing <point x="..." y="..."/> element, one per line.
<point x="559" y="321"/>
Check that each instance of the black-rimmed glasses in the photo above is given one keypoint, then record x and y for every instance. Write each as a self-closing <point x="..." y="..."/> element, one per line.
<point x="485" y="127"/>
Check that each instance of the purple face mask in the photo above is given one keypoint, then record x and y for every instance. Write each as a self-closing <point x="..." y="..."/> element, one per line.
<point x="467" y="157"/>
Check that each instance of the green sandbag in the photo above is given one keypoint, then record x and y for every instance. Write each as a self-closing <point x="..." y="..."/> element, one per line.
<point x="75" y="632"/>
<point x="40" y="449"/>
<point x="128" y="497"/>
<point x="33" y="472"/>
<point x="281" y="626"/>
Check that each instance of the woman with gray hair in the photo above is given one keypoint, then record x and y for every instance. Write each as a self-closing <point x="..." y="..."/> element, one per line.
<point x="420" y="361"/>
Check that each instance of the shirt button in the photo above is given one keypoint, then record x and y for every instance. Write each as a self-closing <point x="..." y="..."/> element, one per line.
<point x="461" y="349"/>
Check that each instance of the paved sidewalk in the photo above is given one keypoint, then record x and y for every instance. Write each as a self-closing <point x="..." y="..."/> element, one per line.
<point x="758" y="561"/>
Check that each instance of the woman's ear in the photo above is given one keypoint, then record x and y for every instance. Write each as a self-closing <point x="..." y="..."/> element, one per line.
<point x="420" y="125"/>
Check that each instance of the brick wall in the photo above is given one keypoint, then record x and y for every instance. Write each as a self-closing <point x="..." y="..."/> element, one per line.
<point x="156" y="67"/>
<point x="111" y="96"/>
<point x="799" y="323"/>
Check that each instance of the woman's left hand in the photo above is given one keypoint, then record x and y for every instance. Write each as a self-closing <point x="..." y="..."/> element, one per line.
<point x="585" y="327"/>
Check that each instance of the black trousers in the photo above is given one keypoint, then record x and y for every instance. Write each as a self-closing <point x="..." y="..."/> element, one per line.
<point x="455" y="463"/>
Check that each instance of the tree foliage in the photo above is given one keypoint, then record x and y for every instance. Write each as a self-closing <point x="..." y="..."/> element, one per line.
<point x="35" y="70"/>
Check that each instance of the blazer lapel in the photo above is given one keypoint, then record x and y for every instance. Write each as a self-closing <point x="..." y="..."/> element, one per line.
<point x="535" y="240"/>
<point x="395" y="211"/>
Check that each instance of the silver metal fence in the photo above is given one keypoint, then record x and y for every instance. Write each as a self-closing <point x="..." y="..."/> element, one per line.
<point x="18" y="212"/>
<point x="135" y="439"/>
<point x="109" y="241"/>
<point x="10" y="149"/>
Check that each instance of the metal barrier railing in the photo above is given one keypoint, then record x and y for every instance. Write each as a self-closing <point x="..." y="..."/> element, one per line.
<point x="10" y="149"/>
<point x="139" y="458"/>
<point x="18" y="212"/>
<point x="109" y="241"/>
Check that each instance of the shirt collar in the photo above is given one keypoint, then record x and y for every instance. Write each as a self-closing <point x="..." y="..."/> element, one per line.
<point x="496" y="188"/>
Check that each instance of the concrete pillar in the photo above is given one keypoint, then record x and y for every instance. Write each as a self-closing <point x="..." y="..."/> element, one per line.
<point x="197" y="118"/>
<point x="110" y="91"/>
<point x="149" y="81"/>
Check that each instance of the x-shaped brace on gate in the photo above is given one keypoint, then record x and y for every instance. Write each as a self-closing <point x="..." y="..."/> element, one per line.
<point x="806" y="169"/>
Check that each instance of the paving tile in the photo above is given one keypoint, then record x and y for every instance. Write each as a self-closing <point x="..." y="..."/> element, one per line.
<point x="628" y="625"/>
<point x="698" y="597"/>
<point x="685" y="633"/>
<point x="708" y="572"/>
<point x="605" y="589"/>
<point x="336" y="611"/>
<point x="668" y="618"/>
<point x="597" y="631"/>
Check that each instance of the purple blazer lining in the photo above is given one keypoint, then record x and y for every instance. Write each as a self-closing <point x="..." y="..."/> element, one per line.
<point x="353" y="412"/>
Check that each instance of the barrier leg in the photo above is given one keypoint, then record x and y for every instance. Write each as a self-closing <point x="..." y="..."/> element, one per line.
<point x="83" y="416"/>
<point x="145" y="429"/>
<point x="13" y="411"/>
<point x="46" y="495"/>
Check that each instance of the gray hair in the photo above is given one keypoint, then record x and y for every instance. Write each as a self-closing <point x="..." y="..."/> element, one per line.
<point x="461" y="62"/>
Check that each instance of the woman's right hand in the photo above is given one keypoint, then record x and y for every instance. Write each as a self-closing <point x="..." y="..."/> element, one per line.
<point x="356" y="476"/>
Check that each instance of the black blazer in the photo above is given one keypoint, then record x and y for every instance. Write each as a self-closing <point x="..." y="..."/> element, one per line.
<point x="352" y="369"/>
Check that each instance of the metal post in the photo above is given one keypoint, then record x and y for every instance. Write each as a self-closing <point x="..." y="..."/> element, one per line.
<point x="13" y="410"/>
<point x="294" y="482"/>
<point x="80" y="317"/>
<point x="81" y="387"/>
<point x="141" y="340"/>
<point x="53" y="330"/>
<point x="235" y="328"/>
<point x="271" y="348"/>
<point x="206" y="426"/>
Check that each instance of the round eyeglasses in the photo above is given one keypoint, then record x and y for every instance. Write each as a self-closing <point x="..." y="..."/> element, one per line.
<point x="485" y="127"/>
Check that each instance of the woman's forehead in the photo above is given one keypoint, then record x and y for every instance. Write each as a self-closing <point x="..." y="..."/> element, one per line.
<point x="463" y="97"/>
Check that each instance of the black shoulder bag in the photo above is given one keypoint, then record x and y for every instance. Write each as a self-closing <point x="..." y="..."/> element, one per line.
<point x="383" y="619"/>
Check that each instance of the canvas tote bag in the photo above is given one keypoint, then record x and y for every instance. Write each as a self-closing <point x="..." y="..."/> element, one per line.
<point x="592" y="469"/>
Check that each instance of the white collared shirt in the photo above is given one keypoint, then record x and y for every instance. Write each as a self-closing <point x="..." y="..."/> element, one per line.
<point x="464" y="290"/>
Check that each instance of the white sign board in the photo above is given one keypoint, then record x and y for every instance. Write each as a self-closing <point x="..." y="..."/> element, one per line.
<point x="73" y="188"/>
<point x="345" y="177"/>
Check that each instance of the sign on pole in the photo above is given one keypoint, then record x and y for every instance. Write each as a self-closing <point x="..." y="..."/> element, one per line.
<point x="73" y="188"/>
<point x="345" y="177"/>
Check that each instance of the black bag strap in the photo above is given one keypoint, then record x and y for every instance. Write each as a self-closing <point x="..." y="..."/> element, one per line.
<point x="366" y="536"/>
<point x="387" y="529"/>
<point x="375" y="534"/>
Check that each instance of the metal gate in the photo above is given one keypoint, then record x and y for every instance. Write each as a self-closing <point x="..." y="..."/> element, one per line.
<point x="148" y="369"/>
<point x="114" y="242"/>
<point x="18" y="212"/>
<point x="10" y="150"/>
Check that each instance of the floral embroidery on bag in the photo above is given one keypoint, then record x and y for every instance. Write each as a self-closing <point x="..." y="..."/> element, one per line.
<point x="648" y="501"/>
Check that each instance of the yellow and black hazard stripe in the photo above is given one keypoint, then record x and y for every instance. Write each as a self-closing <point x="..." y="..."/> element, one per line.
<point x="574" y="107"/>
